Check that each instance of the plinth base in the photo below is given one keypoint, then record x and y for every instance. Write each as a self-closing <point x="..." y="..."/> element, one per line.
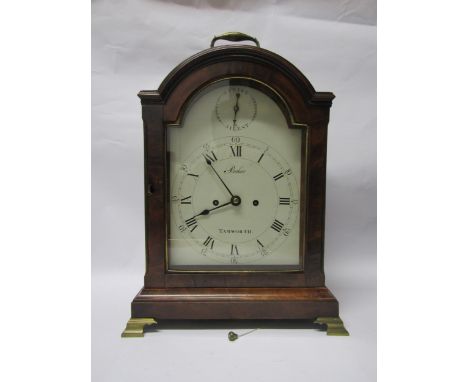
<point x="316" y="303"/>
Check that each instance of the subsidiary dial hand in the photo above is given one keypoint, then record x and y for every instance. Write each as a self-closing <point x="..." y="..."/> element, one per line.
<point x="236" y="109"/>
<point x="208" y="162"/>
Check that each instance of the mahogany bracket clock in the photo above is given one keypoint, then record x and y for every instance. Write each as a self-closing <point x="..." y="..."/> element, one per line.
<point x="235" y="143"/>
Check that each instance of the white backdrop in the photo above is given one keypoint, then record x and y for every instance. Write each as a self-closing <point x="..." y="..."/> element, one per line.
<point x="134" y="46"/>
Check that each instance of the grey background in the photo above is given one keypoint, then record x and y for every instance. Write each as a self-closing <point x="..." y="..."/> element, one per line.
<point x="134" y="46"/>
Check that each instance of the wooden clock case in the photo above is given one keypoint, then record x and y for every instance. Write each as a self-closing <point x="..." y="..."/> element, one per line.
<point x="169" y="295"/>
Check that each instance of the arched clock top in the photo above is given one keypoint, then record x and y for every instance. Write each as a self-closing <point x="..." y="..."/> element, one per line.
<point x="260" y="65"/>
<point x="247" y="82"/>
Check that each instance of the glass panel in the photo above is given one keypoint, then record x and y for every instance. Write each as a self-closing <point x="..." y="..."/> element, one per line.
<point x="235" y="175"/>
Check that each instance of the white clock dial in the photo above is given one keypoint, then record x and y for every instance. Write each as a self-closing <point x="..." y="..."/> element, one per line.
<point x="235" y="200"/>
<point x="235" y="172"/>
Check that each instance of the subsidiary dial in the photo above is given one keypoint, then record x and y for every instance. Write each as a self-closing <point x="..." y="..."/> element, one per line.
<point x="236" y="108"/>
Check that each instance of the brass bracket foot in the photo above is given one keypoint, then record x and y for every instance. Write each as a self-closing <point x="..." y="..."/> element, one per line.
<point x="335" y="326"/>
<point x="135" y="326"/>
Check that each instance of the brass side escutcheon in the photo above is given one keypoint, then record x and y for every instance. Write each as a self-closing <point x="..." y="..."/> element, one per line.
<point x="135" y="326"/>
<point x="335" y="326"/>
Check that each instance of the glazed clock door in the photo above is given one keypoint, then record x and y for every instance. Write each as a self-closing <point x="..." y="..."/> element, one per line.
<point x="235" y="172"/>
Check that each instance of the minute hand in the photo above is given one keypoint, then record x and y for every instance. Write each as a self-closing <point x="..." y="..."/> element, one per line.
<point x="211" y="165"/>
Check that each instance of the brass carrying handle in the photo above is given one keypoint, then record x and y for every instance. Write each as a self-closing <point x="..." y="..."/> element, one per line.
<point x="234" y="36"/>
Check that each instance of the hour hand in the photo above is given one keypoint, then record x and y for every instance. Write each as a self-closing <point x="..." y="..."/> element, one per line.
<point x="207" y="212"/>
<point x="235" y="201"/>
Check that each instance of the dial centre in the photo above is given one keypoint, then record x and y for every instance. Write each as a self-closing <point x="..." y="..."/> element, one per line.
<point x="236" y="200"/>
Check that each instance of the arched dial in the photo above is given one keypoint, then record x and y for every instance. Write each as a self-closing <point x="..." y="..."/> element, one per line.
<point x="235" y="200"/>
<point x="236" y="108"/>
